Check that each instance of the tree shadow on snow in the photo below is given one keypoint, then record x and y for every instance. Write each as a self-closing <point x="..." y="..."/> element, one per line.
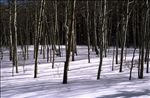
<point x="127" y="94"/>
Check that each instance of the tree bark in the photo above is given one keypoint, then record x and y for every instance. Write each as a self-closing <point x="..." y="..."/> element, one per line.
<point x="95" y="26"/>
<point x="39" y="29"/>
<point x="71" y="27"/>
<point x="87" y="26"/>
<point x="15" y="55"/>
<point x="125" y="29"/>
<point x="10" y="31"/>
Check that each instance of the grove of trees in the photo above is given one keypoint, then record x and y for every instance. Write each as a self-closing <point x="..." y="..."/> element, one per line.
<point x="98" y="24"/>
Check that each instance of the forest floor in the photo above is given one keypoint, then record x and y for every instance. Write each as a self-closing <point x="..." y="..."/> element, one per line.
<point x="82" y="81"/>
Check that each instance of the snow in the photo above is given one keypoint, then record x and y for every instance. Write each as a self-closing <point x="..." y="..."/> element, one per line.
<point x="82" y="81"/>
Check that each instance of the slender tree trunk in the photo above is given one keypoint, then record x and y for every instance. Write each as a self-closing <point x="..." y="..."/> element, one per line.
<point x="65" y="25"/>
<point x="147" y="69"/>
<point x="101" y="43"/>
<point x="95" y="25"/>
<point x="134" y="42"/>
<point x="38" y="37"/>
<point x="117" y="35"/>
<point x="73" y="40"/>
<point x="35" y="31"/>
<point x="75" y="36"/>
<point x="113" y="58"/>
<point x="132" y="64"/>
<point x="125" y="29"/>
<point x="142" y="47"/>
<point x="15" y="57"/>
<point x="88" y="35"/>
<point x="10" y="31"/>
<point x="71" y="27"/>
<point x="55" y="33"/>
<point x="142" y="63"/>
<point x="148" y="36"/>
<point x="105" y="33"/>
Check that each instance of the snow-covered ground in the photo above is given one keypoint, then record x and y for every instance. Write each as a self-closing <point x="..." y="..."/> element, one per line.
<point x="82" y="81"/>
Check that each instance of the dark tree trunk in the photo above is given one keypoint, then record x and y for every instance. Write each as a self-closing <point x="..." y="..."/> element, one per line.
<point x="71" y="28"/>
